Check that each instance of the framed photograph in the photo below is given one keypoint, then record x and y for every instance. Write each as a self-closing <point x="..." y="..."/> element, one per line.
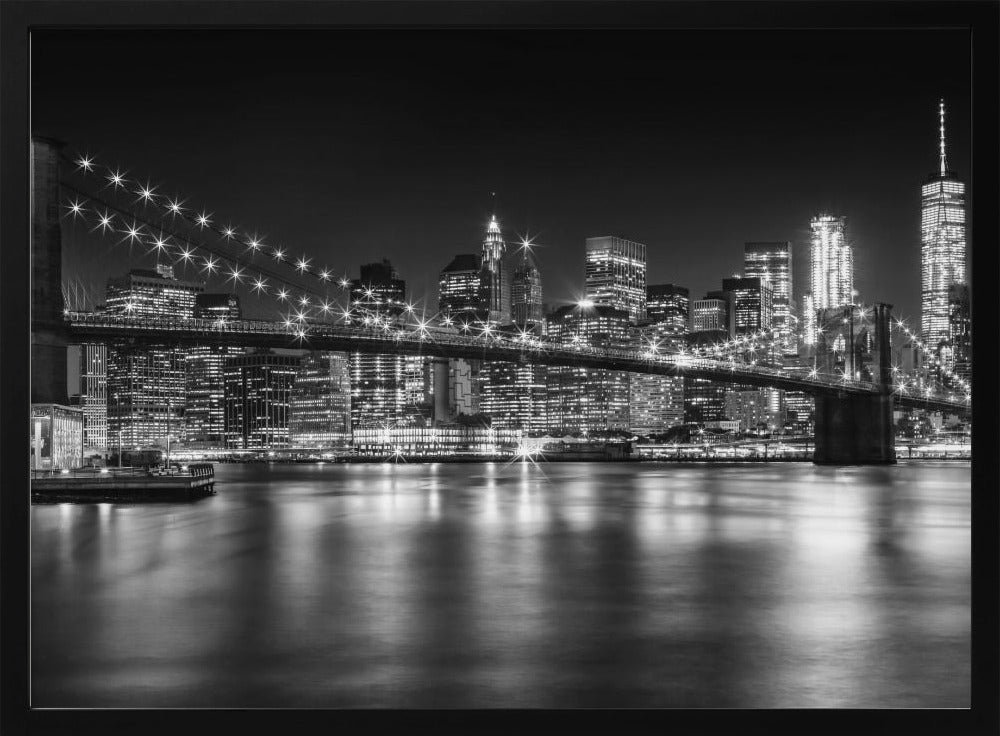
<point x="500" y="366"/>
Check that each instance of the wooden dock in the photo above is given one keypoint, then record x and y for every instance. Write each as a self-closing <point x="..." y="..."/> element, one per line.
<point x="123" y="484"/>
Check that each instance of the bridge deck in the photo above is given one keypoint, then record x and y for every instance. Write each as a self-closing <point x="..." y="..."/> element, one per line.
<point x="449" y="343"/>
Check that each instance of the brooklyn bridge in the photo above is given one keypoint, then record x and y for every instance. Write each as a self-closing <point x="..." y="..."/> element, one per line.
<point x="854" y="408"/>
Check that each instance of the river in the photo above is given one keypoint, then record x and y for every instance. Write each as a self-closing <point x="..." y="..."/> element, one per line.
<point x="557" y="585"/>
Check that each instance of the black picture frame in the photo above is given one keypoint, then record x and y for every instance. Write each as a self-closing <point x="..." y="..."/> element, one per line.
<point x="19" y="18"/>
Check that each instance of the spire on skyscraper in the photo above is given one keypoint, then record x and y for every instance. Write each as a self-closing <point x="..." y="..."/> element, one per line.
<point x="944" y="161"/>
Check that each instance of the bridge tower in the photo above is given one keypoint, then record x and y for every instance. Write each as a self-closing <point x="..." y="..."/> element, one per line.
<point x="48" y="331"/>
<point x="856" y="429"/>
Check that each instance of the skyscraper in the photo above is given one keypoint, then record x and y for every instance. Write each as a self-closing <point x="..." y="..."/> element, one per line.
<point x="526" y="293"/>
<point x="959" y="332"/>
<point x="382" y="384"/>
<point x="320" y="402"/>
<point x="942" y="252"/>
<point x="588" y="399"/>
<point x="711" y="314"/>
<point x="257" y="392"/>
<point x="94" y="394"/>
<point x="495" y="277"/>
<point x="832" y="263"/>
<point x="771" y="262"/>
<point x="146" y="385"/>
<point x="513" y="394"/>
<point x="657" y="402"/>
<point x="752" y="304"/>
<point x="459" y="297"/>
<point x="616" y="274"/>
<point x="204" y="414"/>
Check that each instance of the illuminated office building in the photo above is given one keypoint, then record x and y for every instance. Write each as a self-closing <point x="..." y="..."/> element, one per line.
<point x="459" y="289"/>
<point x="705" y="400"/>
<point x="146" y="384"/>
<point x="753" y="312"/>
<point x="616" y="274"/>
<point x="772" y="264"/>
<point x="94" y="395"/>
<point x="711" y="314"/>
<point x="657" y="402"/>
<point x="752" y="305"/>
<point x="257" y="396"/>
<point x="514" y="394"/>
<point x="959" y="332"/>
<point x="320" y="402"/>
<point x="832" y="263"/>
<point x="384" y="386"/>
<point x="495" y="276"/>
<point x="588" y="399"/>
<point x="526" y="293"/>
<point x="204" y="415"/>
<point x="942" y="231"/>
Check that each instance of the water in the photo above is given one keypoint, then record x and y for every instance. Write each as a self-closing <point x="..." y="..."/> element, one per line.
<point x="491" y="585"/>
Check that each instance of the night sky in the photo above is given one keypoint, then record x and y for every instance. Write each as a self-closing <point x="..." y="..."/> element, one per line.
<point x="351" y="146"/>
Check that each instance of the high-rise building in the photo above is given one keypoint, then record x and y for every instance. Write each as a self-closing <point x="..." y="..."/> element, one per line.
<point x="616" y="274"/>
<point x="204" y="415"/>
<point x="152" y="293"/>
<point x="146" y="384"/>
<point x="752" y="304"/>
<point x="771" y="262"/>
<point x="320" y="402"/>
<point x="752" y="301"/>
<point x="942" y="234"/>
<point x="514" y="394"/>
<point x="657" y="402"/>
<point x="257" y="395"/>
<point x="459" y="289"/>
<point x="94" y="394"/>
<point x="495" y="276"/>
<point x="380" y="291"/>
<point x="832" y="263"/>
<point x="712" y="314"/>
<point x="959" y="332"/>
<point x="705" y="400"/>
<point x="588" y="399"/>
<point x="526" y="293"/>
<point x="669" y="307"/>
<point x="383" y="385"/>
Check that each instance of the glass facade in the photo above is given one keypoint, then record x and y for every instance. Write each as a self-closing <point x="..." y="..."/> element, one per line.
<point x="710" y="314"/>
<point x="616" y="274"/>
<point x="832" y="263"/>
<point x="772" y="263"/>
<point x="526" y="294"/>
<point x="383" y="385"/>
<point x="94" y="395"/>
<point x="514" y="394"/>
<point x="657" y="402"/>
<point x="321" y="401"/>
<point x="204" y="415"/>
<point x="146" y="386"/>
<point x="588" y="399"/>
<point x="257" y="400"/>
<point x="459" y="289"/>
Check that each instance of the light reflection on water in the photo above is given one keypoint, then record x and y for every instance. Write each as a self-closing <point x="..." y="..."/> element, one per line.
<point x="558" y="585"/>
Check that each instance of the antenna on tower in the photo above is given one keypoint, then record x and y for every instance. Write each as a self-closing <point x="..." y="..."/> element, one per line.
<point x="944" y="161"/>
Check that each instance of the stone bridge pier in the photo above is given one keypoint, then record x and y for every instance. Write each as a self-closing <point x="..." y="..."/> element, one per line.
<point x="858" y="429"/>
<point x="48" y="329"/>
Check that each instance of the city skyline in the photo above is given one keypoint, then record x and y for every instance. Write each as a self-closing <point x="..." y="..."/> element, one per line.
<point x="687" y="243"/>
